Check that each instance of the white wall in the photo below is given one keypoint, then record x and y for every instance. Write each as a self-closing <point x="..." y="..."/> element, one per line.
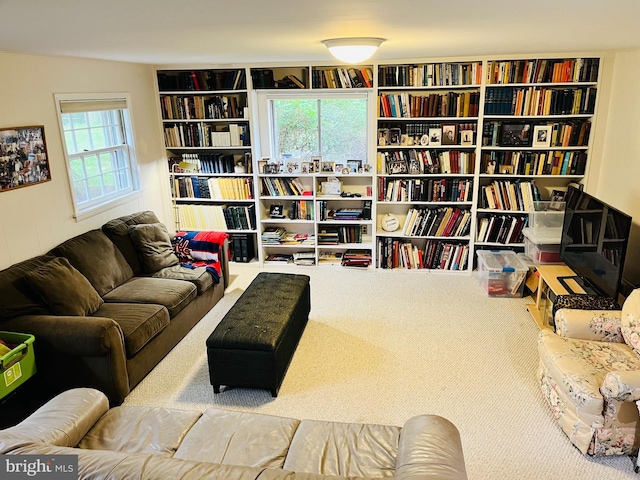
<point x="618" y="179"/>
<point x="36" y="218"/>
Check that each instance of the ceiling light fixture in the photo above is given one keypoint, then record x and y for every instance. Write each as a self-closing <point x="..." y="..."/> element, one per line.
<point x="353" y="50"/>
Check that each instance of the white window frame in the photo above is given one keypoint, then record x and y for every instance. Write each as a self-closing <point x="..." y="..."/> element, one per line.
<point x="88" y="103"/>
<point x="264" y="113"/>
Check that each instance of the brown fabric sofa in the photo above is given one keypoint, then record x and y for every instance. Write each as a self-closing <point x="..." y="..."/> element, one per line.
<point x="159" y="443"/>
<point x="100" y="320"/>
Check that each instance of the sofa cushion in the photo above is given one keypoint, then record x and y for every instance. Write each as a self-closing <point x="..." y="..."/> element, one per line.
<point x="63" y="288"/>
<point x="199" y="276"/>
<point x="139" y="322"/>
<point x="16" y="296"/>
<point x="134" y="429"/>
<point x="172" y="294"/>
<point x="239" y="438"/>
<point x="118" y="231"/>
<point x="344" y="449"/>
<point x="97" y="258"/>
<point x="153" y="245"/>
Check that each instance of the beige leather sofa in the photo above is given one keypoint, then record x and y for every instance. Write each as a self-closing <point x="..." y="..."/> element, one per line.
<point x="157" y="443"/>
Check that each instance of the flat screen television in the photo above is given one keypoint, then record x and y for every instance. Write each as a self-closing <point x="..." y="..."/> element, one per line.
<point x="594" y="242"/>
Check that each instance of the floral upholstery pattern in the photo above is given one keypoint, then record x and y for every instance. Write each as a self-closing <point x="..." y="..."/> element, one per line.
<point x="600" y="325"/>
<point x="590" y="376"/>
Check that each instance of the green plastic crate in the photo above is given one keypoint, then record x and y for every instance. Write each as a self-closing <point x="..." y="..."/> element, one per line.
<point x="19" y="364"/>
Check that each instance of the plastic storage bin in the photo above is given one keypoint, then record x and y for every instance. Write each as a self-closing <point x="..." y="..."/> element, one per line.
<point x="18" y="365"/>
<point x="501" y="273"/>
<point x="542" y="245"/>
<point x="547" y="215"/>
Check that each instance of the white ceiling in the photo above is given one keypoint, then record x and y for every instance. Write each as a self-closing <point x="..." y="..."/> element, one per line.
<point x="264" y="31"/>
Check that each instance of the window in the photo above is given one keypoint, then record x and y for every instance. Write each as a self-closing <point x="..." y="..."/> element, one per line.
<point x="332" y="127"/>
<point x="99" y="151"/>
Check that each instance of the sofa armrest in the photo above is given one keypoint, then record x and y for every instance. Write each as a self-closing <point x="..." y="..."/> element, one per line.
<point x="623" y="386"/>
<point x="429" y="447"/>
<point x="89" y="350"/>
<point x="64" y="420"/>
<point x="71" y="335"/>
<point x="599" y="325"/>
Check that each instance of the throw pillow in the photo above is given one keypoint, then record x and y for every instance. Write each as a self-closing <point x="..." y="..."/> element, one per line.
<point x="153" y="243"/>
<point x="63" y="288"/>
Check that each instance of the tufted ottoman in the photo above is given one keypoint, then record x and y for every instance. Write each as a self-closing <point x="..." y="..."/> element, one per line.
<point x="253" y="344"/>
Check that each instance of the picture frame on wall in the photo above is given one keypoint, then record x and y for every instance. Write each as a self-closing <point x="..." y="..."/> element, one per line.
<point x="542" y="136"/>
<point x="23" y="157"/>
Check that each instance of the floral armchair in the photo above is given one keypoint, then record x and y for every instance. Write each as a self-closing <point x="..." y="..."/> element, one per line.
<point x="589" y="372"/>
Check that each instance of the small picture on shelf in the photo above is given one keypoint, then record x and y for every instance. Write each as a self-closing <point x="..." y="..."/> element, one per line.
<point x="293" y="167"/>
<point x="367" y="168"/>
<point x="271" y="168"/>
<point x="449" y="136"/>
<point x="397" y="167"/>
<point x="326" y="167"/>
<point x="542" y="136"/>
<point x="435" y="136"/>
<point x="355" y="166"/>
<point x="337" y="167"/>
<point x="395" y="135"/>
<point x="557" y="199"/>
<point x="424" y="140"/>
<point x="508" y="169"/>
<point x="306" y="167"/>
<point x="262" y="164"/>
<point x="316" y="164"/>
<point x="414" y="166"/>
<point x="466" y="138"/>
<point x="383" y="137"/>
<point x="516" y="134"/>
<point x="406" y="140"/>
<point x="276" y="210"/>
<point x="346" y="170"/>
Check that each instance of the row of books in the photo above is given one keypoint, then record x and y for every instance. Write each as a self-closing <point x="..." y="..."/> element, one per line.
<point x="210" y="162"/>
<point x="437" y="255"/>
<point x="264" y="78"/>
<point x="517" y="195"/>
<point x="199" y="107"/>
<point x="205" y="135"/>
<point x="415" y="162"/>
<point x="430" y="75"/>
<point x="216" y="217"/>
<point x="424" y="190"/>
<point x="449" y="104"/>
<point x="282" y="186"/>
<point x="437" y="222"/>
<point x="504" y="229"/>
<point x="301" y="210"/>
<point x="543" y="71"/>
<point x="226" y="188"/>
<point x="341" y="77"/>
<point x="519" y="101"/>
<point x="325" y="212"/>
<point x="570" y="133"/>
<point x="341" y="234"/>
<point x="242" y="247"/>
<point x="202" y="80"/>
<point x="557" y="162"/>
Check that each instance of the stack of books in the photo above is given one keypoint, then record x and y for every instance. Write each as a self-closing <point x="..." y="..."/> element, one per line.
<point x="273" y="235"/>
<point x="348" y="214"/>
<point x="356" y="258"/>
<point x="304" y="258"/>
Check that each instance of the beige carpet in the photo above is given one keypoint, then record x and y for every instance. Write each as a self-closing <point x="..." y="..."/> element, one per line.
<point x="382" y="346"/>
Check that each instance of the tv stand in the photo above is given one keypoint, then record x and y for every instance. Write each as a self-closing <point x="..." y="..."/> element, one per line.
<point x="577" y="285"/>
<point x="553" y="280"/>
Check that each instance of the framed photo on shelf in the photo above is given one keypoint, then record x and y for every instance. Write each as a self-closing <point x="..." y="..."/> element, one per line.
<point x="435" y="136"/>
<point x="276" y="210"/>
<point x="383" y="137"/>
<point x="326" y="167"/>
<point x="424" y="140"/>
<point x="542" y="135"/>
<point x="414" y="166"/>
<point x="271" y="168"/>
<point x="466" y="138"/>
<point x="355" y="166"/>
<point x="23" y="157"/>
<point x="337" y="167"/>
<point x="316" y="164"/>
<point x="507" y="169"/>
<point x="262" y="164"/>
<point x="515" y="135"/>
<point x="449" y="134"/>
<point x="396" y="167"/>
<point x="395" y="136"/>
<point x="293" y="166"/>
<point x="306" y="167"/>
<point x="406" y="140"/>
<point x="367" y="167"/>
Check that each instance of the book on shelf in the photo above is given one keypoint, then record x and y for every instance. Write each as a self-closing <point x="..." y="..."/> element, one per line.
<point x="279" y="258"/>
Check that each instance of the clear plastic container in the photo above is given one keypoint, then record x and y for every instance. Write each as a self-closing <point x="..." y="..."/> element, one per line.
<point x="501" y="273"/>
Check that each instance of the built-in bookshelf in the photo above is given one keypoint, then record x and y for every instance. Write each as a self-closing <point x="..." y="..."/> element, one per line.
<point x="459" y="151"/>
<point x="427" y="124"/>
<point x="206" y="124"/>
<point x="537" y="122"/>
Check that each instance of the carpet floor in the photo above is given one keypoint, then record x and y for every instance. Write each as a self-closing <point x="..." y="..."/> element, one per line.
<point x="382" y="346"/>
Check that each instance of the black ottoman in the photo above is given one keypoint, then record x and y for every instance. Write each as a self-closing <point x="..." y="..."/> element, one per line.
<point x="253" y="344"/>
